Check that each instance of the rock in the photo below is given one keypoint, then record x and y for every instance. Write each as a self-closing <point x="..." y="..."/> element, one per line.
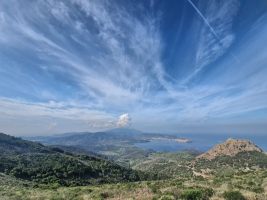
<point x="230" y="147"/>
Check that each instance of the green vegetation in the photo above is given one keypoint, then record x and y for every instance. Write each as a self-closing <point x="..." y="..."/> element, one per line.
<point x="240" y="161"/>
<point x="197" y="194"/>
<point x="35" y="162"/>
<point x="61" y="169"/>
<point x="233" y="195"/>
<point x="177" y="189"/>
<point x="30" y="170"/>
<point x="166" y="165"/>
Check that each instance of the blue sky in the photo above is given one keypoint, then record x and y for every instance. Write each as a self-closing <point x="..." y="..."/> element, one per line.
<point x="158" y="66"/>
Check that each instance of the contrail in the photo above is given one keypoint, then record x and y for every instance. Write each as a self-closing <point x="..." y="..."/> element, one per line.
<point x="210" y="27"/>
<point x="204" y="19"/>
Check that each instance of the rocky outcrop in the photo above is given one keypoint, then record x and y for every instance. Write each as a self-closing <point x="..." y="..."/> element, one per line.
<point x="230" y="147"/>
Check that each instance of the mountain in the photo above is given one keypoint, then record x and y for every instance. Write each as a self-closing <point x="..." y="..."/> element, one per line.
<point x="116" y="144"/>
<point x="117" y="135"/>
<point x="51" y="165"/>
<point x="13" y="145"/>
<point x="125" y="131"/>
<point x="87" y="139"/>
<point x="230" y="147"/>
<point x="231" y="157"/>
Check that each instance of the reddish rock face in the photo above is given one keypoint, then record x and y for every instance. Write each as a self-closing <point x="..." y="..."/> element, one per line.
<point x="230" y="147"/>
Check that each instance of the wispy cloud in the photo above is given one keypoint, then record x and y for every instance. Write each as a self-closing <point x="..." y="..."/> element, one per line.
<point x="85" y="62"/>
<point x="205" y="20"/>
<point x="217" y="36"/>
<point x="111" y="56"/>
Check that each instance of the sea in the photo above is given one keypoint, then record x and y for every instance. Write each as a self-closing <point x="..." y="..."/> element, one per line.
<point x="200" y="142"/>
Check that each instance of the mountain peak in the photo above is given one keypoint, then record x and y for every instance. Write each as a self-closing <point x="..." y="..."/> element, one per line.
<point x="230" y="147"/>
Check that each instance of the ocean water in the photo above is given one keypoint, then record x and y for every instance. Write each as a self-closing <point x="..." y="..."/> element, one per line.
<point x="200" y="142"/>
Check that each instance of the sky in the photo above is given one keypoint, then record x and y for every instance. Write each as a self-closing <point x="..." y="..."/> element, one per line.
<point x="187" y="66"/>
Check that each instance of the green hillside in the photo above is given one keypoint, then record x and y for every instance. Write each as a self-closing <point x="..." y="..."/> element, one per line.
<point x="35" y="162"/>
<point x="29" y="170"/>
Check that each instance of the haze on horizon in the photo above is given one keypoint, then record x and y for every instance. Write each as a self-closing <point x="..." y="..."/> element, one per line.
<point x="166" y="66"/>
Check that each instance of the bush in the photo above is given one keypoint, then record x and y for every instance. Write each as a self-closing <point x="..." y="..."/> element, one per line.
<point x="207" y="193"/>
<point x="197" y="194"/>
<point x="192" y="195"/>
<point x="104" y="195"/>
<point x="233" y="195"/>
<point x="155" y="188"/>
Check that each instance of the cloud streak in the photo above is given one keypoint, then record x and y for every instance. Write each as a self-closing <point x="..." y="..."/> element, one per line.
<point x="217" y="39"/>
<point x="205" y="20"/>
<point x="86" y="62"/>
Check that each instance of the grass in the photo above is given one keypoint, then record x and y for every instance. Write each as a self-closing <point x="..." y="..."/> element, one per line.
<point x="175" y="188"/>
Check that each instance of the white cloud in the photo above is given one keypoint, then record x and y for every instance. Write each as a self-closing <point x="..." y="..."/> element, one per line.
<point x="114" y="61"/>
<point x="16" y="108"/>
<point x="59" y="10"/>
<point x="111" y="73"/>
<point x="124" y="120"/>
<point x="102" y="124"/>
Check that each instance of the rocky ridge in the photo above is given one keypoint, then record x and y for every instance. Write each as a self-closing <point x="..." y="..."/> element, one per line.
<point x="230" y="147"/>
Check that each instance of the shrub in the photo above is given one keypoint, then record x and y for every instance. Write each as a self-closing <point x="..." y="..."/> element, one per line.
<point x="233" y="195"/>
<point x="197" y="194"/>
<point x="207" y="193"/>
<point x="192" y="195"/>
<point x="104" y="195"/>
<point x="154" y="188"/>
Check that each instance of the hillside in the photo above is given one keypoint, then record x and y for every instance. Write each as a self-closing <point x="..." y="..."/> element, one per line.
<point x="29" y="170"/>
<point x="116" y="144"/>
<point x="13" y="145"/>
<point x="35" y="162"/>
<point x="230" y="147"/>
<point x="232" y="155"/>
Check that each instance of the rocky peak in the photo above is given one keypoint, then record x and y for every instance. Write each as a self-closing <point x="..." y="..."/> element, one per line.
<point x="230" y="147"/>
